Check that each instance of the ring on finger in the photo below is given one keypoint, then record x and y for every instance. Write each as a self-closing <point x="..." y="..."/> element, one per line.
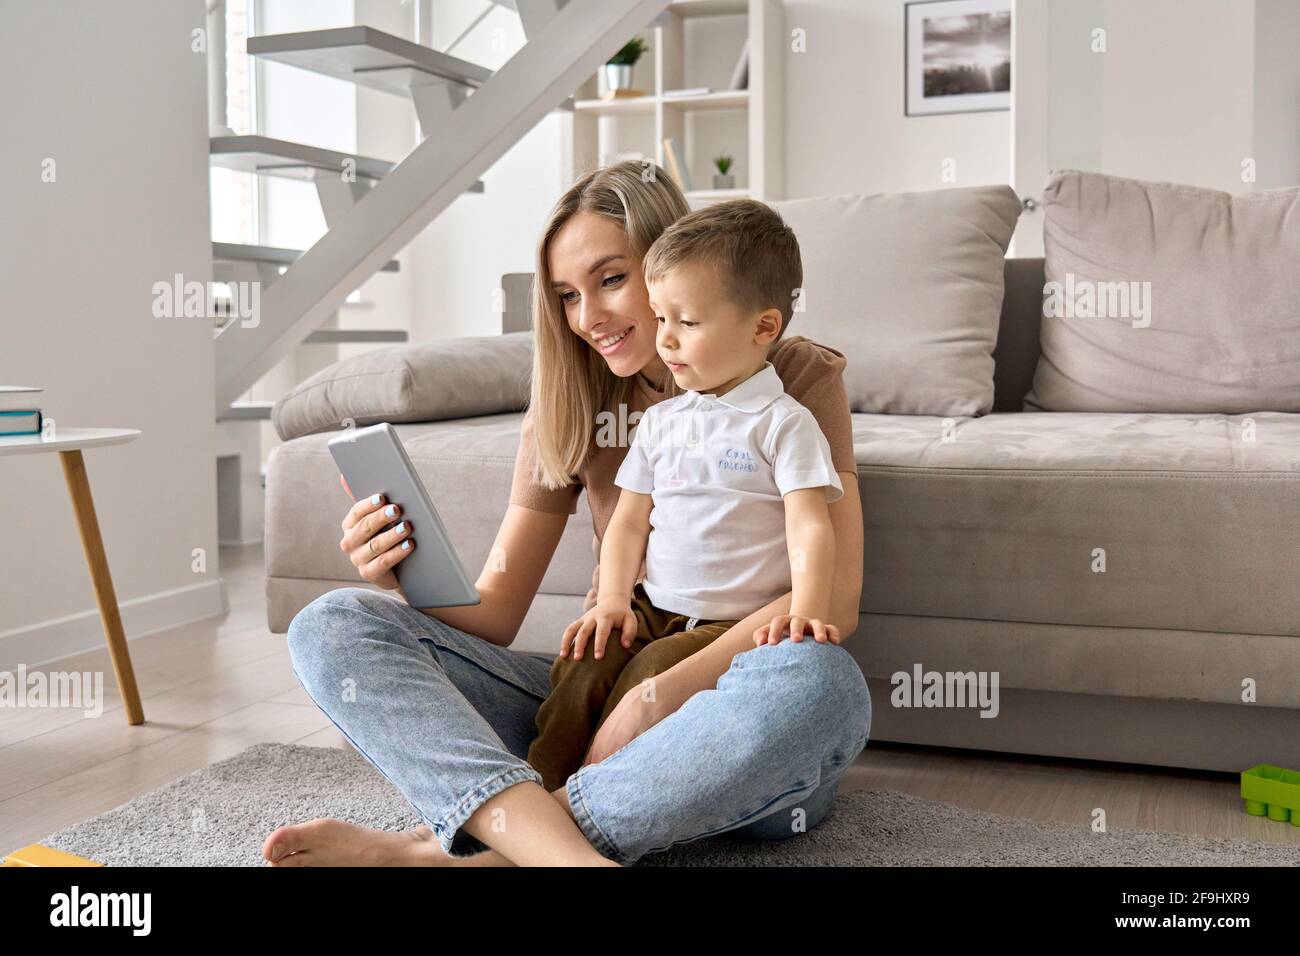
<point x="372" y="548"/>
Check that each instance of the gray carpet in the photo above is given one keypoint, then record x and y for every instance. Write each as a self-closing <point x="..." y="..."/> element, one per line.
<point x="220" y="815"/>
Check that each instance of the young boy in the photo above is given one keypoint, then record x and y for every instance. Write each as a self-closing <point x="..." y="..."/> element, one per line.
<point x="725" y="487"/>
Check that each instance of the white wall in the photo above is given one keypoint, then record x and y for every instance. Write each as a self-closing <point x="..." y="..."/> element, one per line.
<point x="1178" y="86"/>
<point x="845" y="129"/>
<point x="1277" y="93"/>
<point x="1184" y="91"/>
<point x="113" y="93"/>
<point x="456" y="263"/>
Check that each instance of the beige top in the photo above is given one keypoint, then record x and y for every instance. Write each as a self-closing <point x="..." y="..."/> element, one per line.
<point x="811" y="374"/>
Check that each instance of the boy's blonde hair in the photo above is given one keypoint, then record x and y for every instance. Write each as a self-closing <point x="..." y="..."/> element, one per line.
<point x="747" y="243"/>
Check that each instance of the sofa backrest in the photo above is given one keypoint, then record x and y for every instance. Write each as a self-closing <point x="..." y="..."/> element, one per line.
<point x="1016" y="355"/>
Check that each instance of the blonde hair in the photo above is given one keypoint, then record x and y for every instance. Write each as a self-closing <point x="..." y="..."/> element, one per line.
<point x="747" y="244"/>
<point x="571" y="383"/>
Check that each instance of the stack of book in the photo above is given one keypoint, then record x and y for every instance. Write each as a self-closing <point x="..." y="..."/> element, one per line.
<point x="18" y="412"/>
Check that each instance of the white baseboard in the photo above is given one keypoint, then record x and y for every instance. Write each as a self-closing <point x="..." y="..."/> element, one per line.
<point x="47" y="641"/>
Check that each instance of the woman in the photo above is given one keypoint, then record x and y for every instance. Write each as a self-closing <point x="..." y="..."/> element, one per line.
<point x="735" y="738"/>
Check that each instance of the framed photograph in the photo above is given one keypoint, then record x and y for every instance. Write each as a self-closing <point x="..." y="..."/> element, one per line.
<point x="957" y="56"/>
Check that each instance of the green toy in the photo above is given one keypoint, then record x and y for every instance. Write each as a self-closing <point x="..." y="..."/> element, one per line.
<point x="1272" y="791"/>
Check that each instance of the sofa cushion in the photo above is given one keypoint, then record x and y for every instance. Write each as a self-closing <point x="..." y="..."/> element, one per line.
<point x="1212" y="321"/>
<point x="909" y="287"/>
<point x="450" y="378"/>
<point x="994" y="518"/>
<point x="1009" y="517"/>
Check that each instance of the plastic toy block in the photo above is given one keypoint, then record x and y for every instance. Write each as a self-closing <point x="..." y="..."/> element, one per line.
<point x="1273" y="792"/>
<point x="37" y="855"/>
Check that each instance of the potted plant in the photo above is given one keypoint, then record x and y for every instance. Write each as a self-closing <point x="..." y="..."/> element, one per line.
<point x="616" y="74"/>
<point x="723" y="179"/>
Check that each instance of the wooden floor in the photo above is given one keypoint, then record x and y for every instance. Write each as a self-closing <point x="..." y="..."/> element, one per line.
<point x="214" y="688"/>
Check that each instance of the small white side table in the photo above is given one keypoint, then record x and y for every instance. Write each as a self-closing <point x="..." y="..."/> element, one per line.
<point x="68" y="442"/>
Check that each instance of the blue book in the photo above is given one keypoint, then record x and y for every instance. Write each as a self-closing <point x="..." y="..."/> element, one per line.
<point x="20" y="422"/>
<point x="18" y="412"/>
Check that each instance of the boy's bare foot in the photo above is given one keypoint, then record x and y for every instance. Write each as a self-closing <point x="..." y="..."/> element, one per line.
<point x="327" y="842"/>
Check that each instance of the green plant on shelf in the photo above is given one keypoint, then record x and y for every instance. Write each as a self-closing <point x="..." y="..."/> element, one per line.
<point x="630" y="53"/>
<point x="723" y="163"/>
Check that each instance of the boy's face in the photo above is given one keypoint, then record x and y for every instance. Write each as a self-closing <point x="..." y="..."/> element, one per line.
<point x="706" y="340"/>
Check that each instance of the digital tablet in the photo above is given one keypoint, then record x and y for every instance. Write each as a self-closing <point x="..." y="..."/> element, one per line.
<point x="373" y="461"/>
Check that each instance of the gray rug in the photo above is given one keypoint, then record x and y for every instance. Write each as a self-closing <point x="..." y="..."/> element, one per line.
<point x="219" y="816"/>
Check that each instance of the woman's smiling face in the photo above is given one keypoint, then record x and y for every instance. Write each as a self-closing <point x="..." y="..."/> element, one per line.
<point x="602" y="292"/>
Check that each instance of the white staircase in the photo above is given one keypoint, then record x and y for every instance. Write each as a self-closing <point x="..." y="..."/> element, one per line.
<point x="469" y="117"/>
<point x="464" y="134"/>
<point x="277" y="157"/>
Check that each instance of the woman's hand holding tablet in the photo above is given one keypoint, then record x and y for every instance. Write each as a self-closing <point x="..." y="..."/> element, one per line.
<point x="431" y="575"/>
<point x="365" y="523"/>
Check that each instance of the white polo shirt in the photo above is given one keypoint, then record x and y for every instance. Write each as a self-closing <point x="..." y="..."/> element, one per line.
<point x="716" y="467"/>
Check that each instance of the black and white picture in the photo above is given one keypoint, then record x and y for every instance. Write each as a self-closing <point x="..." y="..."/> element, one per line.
<point x="958" y="56"/>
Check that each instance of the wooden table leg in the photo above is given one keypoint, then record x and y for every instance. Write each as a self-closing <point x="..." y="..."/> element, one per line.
<point x="74" y="470"/>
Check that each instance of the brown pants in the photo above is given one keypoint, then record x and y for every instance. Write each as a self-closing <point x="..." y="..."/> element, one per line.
<point x="585" y="692"/>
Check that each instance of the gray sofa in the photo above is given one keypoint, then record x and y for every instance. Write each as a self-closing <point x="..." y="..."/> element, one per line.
<point x="980" y="551"/>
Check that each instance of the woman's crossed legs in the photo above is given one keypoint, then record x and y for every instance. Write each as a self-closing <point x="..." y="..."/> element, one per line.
<point x="448" y="719"/>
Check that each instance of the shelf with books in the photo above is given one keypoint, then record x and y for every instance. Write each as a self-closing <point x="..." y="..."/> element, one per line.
<point x="713" y="84"/>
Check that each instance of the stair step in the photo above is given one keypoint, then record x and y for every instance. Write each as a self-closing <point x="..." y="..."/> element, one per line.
<point x="278" y="157"/>
<point x="335" y="336"/>
<point x="247" y="412"/>
<point x="265" y="156"/>
<point x="368" y="57"/>
<point x="271" y="255"/>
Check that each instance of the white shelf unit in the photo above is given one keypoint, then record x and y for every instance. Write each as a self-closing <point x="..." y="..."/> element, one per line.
<point x="694" y="43"/>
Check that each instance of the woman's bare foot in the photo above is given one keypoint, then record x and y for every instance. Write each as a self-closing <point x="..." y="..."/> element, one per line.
<point x="328" y="842"/>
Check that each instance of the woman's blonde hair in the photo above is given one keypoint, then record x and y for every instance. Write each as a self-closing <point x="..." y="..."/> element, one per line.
<point x="571" y="383"/>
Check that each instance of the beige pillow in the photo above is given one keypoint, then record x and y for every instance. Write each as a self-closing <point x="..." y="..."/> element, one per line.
<point x="1168" y="298"/>
<point x="909" y="287"/>
<point x="449" y="378"/>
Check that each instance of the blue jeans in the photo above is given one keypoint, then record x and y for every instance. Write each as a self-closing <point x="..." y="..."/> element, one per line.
<point x="448" y="717"/>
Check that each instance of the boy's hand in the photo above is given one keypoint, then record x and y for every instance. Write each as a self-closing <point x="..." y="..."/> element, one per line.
<point x="796" y="624"/>
<point x="600" y="620"/>
<point x="590" y="600"/>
